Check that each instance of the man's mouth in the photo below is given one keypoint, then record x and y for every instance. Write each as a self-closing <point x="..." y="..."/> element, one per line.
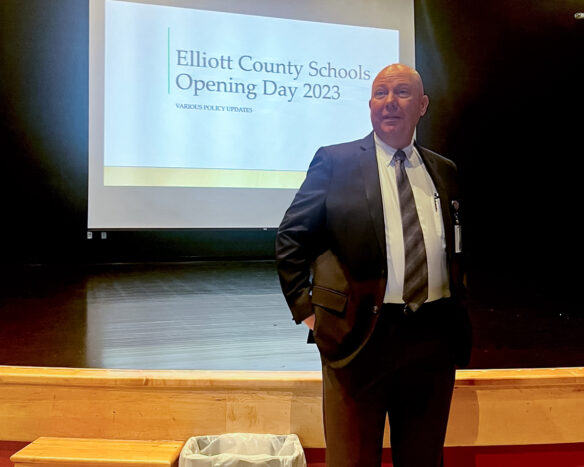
<point x="391" y="118"/>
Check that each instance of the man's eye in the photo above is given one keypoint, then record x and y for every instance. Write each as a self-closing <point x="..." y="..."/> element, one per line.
<point x="403" y="93"/>
<point x="380" y="93"/>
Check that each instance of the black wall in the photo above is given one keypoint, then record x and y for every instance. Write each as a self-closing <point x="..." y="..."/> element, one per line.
<point x="505" y="94"/>
<point x="505" y="83"/>
<point x="43" y="86"/>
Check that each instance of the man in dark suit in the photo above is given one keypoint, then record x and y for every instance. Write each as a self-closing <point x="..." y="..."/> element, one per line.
<point x="369" y="257"/>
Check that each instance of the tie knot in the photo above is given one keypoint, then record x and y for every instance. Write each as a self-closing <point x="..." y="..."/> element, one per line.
<point x="399" y="155"/>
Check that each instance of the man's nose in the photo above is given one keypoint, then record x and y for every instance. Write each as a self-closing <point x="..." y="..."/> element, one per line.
<point x="390" y="100"/>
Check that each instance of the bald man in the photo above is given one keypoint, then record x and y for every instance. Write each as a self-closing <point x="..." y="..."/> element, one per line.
<point x="387" y="316"/>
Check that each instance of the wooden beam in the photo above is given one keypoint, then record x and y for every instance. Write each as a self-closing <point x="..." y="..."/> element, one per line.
<point x="490" y="407"/>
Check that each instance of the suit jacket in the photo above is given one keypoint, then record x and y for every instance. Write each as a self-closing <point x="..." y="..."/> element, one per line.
<point x="331" y="249"/>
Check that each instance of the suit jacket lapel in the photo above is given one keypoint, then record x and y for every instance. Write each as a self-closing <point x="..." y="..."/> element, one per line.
<point x="368" y="162"/>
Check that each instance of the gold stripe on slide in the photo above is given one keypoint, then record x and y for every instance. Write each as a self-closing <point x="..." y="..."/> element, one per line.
<point x="217" y="178"/>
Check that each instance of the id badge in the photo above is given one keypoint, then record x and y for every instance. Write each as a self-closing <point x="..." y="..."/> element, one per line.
<point x="457" y="230"/>
<point x="457" y="239"/>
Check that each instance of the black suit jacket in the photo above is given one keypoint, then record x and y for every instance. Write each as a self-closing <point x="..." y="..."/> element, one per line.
<point x="331" y="251"/>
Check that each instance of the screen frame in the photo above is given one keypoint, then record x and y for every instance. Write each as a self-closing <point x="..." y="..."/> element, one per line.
<point x="202" y="200"/>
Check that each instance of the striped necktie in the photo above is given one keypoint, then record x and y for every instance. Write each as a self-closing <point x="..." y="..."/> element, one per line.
<point x="416" y="267"/>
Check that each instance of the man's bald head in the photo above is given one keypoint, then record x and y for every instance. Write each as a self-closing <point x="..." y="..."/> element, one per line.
<point x="397" y="103"/>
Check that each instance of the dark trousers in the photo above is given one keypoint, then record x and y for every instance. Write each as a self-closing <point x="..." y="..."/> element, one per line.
<point x="406" y="371"/>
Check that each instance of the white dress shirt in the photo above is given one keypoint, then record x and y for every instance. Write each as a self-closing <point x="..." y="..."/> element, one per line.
<point x="429" y="213"/>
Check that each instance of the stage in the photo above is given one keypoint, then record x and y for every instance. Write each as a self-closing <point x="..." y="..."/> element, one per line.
<point x="173" y="350"/>
<point x="231" y="315"/>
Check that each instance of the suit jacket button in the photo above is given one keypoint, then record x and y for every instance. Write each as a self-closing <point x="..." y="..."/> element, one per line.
<point x="375" y="309"/>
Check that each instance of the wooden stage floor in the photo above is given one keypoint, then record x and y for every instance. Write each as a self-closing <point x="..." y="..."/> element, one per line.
<point x="227" y="315"/>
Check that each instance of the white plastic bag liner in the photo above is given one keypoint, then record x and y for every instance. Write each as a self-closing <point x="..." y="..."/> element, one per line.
<point x="243" y="450"/>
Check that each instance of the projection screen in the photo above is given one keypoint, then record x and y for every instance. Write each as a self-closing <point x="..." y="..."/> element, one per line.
<point x="206" y="114"/>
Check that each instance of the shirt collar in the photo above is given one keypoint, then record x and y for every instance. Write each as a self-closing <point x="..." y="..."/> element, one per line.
<point x="388" y="151"/>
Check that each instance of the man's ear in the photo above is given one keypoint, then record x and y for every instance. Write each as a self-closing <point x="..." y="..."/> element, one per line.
<point x="424" y="106"/>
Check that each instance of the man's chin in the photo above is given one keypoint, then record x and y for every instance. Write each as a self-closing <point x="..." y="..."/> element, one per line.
<point x="389" y="128"/>
<point x="390" y="132"/>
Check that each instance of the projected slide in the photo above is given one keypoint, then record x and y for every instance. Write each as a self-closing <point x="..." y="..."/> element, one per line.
<point x="196" y="98"/>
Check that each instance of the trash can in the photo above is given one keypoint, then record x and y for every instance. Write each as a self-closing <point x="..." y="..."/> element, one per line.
<point x="243" y="450"/>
